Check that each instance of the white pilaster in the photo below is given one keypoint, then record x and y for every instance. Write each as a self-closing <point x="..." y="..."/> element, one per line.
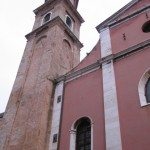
<point x="105" y="42"/>
<point x="112" y="124"/>
<point x="72" y="139"/>
<point x="56" y="115"/>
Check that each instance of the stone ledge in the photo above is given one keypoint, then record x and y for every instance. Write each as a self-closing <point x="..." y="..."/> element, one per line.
<point x="49" y="2"/>
<point x="105" y="60"/>
<point x="57" y="20"/>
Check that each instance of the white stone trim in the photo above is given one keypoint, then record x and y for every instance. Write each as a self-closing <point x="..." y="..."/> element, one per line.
<point x="71" y="28"/>
<point x="73" y="134"/>
<point x="112" y="124"/>
<point x="72" y="139"/>
<point x="42" y="23"/>
<point x="92" y="135"/>
<point x="105" y="42"/>
<point x="141" y="88"/>
<point x="56" y="115"/>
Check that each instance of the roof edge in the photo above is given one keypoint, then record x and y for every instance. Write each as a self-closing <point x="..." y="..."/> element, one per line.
<point x="116" y="14"/>
<point x="98" y="64"/>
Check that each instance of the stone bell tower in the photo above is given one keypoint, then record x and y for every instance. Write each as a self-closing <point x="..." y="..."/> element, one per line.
<point x="52" y="49"/>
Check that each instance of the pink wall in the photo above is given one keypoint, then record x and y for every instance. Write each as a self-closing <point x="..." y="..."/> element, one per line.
<point x="93" y="56"/>
<point x="133" y="31"/>
<point x="137" y="6"/>
<point x="134" y="119"/>
<point x="83" y="97"/>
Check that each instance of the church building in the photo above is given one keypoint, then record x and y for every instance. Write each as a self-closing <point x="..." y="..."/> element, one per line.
<point x="100" y="103"/>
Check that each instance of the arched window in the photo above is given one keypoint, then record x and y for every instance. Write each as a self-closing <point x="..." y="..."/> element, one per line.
<point x="83" y="135"/>
<point x="144" y="88"/>
<point x="147" y="91"/>
<point x="47" y="18"/>
<point x="69" y="22"/>
<point x="67" y="57"/>
<point x="146" y="27"/>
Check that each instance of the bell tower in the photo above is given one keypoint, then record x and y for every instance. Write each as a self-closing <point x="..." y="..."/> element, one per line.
<point x="52" y="50"/>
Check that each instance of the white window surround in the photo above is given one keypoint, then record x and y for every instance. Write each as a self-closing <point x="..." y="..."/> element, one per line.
<point x="73" y="133"/>
<point x="141" y="88"/>
<point x="43" y="21"/>
<point x="71" y="27"/>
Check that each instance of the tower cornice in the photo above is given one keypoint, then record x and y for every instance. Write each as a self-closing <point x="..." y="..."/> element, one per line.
<point x="48" y="3"/>
<point x="44" y="5"/>
<point x="53" y="22"/>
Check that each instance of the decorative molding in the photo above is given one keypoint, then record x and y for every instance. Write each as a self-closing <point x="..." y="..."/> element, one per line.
<point x="141" y="88"/>
<point x="127" y="17"/>
<point x="40" y="38"/>
<point x="43" y="19"/>
<point x="130" y="51"/>
<point x="48" y="3"/>
<point x="56" y="20"/>
<point x="97" y="65"/>
<point x="79" y="73"/>
<point x="73" y="133"/>
<point x="72" y="22"/>
<point x="115" y="15"/>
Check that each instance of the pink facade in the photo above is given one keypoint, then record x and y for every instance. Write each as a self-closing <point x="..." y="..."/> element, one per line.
<point x="91" y="58"/>
<point x="132" y="29"/>
<point x="81" y="97"/>
<point x="134" y="120"/>
<point x="84" y="95"/>
<point x="138" y="5"/>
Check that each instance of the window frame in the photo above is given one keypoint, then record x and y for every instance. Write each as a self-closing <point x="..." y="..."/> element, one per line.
<point x="83" y="129"/>
<point x="43" y="20"/>
<point x="146" y="94"/>
<point x="73" y="133"/>
<point x="70" y="27"/>
<point x="141" y="88"/>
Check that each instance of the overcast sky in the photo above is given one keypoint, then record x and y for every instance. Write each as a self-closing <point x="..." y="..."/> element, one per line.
<point x="16" y="20"/>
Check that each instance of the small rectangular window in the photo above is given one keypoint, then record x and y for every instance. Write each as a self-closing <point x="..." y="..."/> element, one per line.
<point x="55" y="137"/>
<point x="59" y="99"/>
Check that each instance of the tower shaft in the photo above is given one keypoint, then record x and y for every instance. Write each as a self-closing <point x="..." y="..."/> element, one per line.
<point x="52" y="50"/>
